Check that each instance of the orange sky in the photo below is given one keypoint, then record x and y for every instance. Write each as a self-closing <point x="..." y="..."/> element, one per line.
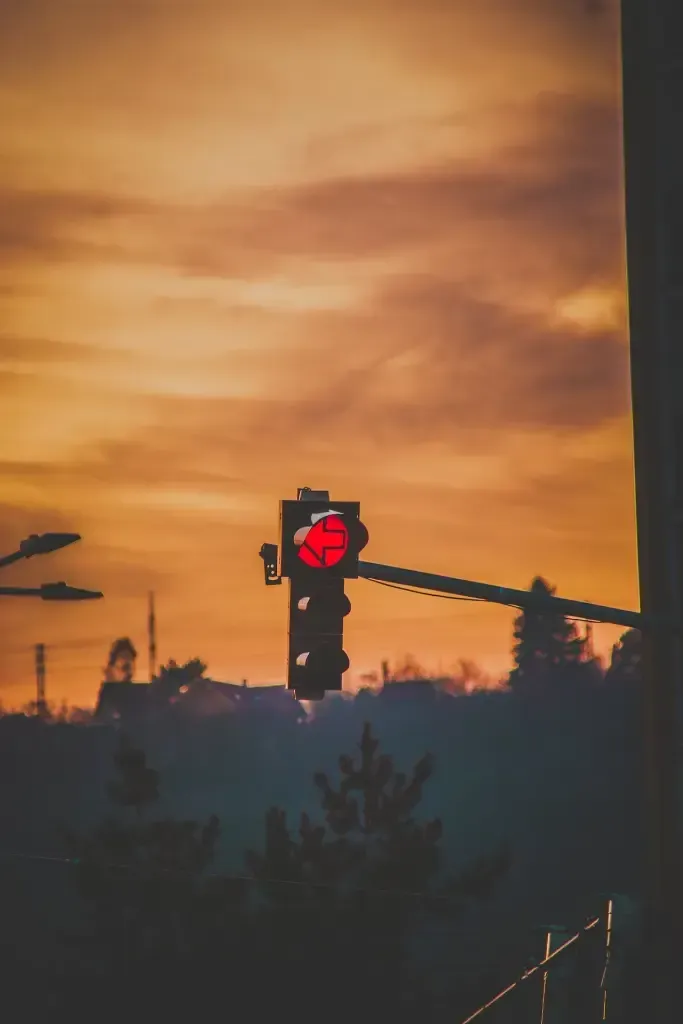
<point x="249" y="246"/>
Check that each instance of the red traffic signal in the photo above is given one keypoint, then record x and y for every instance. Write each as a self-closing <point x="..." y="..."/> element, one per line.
<point x="320" y="538"/>
<point x="325" y="542"/>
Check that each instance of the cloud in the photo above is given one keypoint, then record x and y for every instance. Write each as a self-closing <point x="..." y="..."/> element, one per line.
<point x="559" y="188"/>
<point x="448" y="361"/>
<point x="42" y="351"/>
<point x="49" y="224"/>
<point x="425" y="358"/>
<point x="482" y="362"/>
<point x="104" y="473"/>
<point x="426" y="363"/>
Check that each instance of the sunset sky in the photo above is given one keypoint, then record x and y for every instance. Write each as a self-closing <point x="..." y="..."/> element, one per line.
<point x="369" y="246"/>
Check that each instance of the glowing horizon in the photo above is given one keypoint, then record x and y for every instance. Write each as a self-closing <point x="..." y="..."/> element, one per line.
<point x="379" y="252"/>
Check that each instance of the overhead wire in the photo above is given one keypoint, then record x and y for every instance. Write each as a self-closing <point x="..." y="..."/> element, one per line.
<point x="423" y="895"/>
<point x="146" y="868"/>
<point x="83" y="644"/>
<point x="424" y="593"/>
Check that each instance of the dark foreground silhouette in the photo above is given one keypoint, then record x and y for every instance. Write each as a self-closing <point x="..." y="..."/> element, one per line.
<point x="166" y="867"/>
<point x="528" y="812"/>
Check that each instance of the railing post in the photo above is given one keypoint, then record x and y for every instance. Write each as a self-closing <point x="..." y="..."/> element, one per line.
<point x="608" y="952"/>
<point x="544" y="984"/>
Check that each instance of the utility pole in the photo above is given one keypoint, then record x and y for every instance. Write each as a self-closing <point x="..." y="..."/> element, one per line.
<point x="41" y="703"/>
<point x="652" y="61"/>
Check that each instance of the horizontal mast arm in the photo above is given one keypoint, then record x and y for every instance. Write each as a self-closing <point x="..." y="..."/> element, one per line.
<point x="523" y="599"/>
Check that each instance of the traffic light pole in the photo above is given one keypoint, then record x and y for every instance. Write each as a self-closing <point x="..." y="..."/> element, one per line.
<point x="524" y="599"/>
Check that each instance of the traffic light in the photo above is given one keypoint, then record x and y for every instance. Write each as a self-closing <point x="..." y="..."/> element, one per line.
<point x="319" y="538"/>
<point x="320" y="542"/>
<point x="317" y="659"/>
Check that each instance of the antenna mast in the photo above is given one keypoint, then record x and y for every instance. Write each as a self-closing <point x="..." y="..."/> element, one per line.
<point x="152" y="637"/>
<point x="41" y="704"/>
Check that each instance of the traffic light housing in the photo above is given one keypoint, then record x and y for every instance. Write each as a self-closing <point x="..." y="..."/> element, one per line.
<point x="320" y="544"/>
<point x="317" y="659"/>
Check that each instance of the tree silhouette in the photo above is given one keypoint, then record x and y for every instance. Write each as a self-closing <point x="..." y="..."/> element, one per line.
<point x="189" y="671"/>
<point x="376" y="839"/>
<point x="626" y="659"/>
<point x="357" y="881"/>
<point x="137" y="786"/>
<point x="408" y="670"/>
<point x="545" y="642"/>
<point x="142" y="881"/>
<point x="172" y="677"/>
<point x="120" y="665"/>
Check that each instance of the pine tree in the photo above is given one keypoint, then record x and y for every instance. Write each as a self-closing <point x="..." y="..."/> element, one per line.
<point x="354" y="884"/>
<point x="545" y="642"/>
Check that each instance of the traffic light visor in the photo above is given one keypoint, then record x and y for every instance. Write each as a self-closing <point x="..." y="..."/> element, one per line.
<point x="324" y="603"/>
<point x="324" y="660"/>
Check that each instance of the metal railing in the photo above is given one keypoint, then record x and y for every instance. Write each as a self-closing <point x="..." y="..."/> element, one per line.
<point x="539" y="972"/>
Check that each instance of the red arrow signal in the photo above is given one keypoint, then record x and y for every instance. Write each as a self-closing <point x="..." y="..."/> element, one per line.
<point x="325" y="543"/>
<point x="320" y="535"/>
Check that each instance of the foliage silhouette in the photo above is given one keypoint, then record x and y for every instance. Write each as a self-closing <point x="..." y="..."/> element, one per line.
<point x="333" y="942"/>
<point x="173" y="673"/>
<point x="137" y="785"/>
<point x="626" y="658"/>
<point x="545" y="642"/>
<point x="120" y="665"/>
<point x="142" y="881"/>
<point x="359" y="880"/>
<point x="377" y="844"/>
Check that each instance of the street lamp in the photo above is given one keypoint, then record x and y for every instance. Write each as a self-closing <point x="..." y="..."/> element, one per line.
<point x="43" y="544"/>
<point x="40" y="544"/>
<point x="52" y="592"/>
